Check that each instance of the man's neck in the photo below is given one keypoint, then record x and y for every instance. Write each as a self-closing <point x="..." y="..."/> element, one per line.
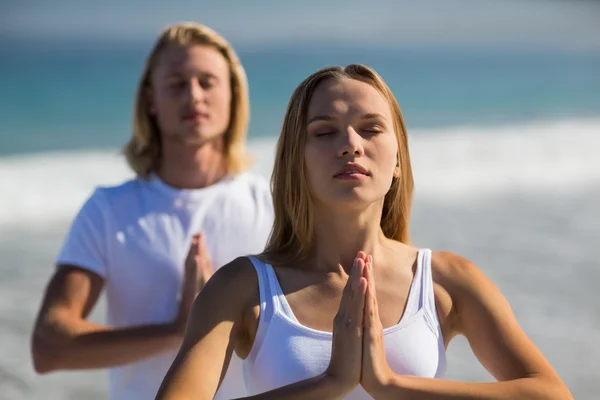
<point x="185" y="167"/>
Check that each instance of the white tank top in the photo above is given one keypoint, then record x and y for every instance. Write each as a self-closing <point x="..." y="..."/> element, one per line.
<point x="285" y="351"/>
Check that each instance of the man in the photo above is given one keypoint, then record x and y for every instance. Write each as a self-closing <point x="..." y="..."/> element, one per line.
<point x="153" y="241"/>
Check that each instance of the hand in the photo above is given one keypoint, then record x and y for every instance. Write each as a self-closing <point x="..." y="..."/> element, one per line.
<point x="376" y="372"/>
<point x="346" y="353"/>
<point x="198" y="261"/>
<point x="198" y="270"/>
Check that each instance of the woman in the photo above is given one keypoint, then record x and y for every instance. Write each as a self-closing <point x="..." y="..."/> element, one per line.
<point x="133" y="239"/>
<point x="351" y="310"/>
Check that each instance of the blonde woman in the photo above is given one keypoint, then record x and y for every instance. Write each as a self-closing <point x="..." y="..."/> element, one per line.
<point x="340" y="304"/>
<point x="153" y="241"/>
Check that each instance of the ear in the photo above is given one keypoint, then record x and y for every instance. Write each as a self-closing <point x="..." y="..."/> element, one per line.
<point x="397" y="170"/>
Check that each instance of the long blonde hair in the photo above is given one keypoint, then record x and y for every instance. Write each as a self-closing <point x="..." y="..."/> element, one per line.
<point x="292" y="233"/>
<point x="143" y="151"/>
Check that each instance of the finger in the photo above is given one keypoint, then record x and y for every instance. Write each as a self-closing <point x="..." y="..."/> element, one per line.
<point x="203" y="248"/>
<point x="359" y="304"/>
<point x="350" y="282"/>
<point x="340" y="316"/>
<point x="207" y="267"/>
<point x="190" y="260"/>
<point x="196" y="239"/>
<point x="369" y="312"/>
<point x="201" y="244"/>
<point x="358" y="298"/>
<point x="368" y="272"/>
<point x="194" y="245"/>
<point x="359" y="272"/>
<point x="202" y="264"/>
<point x="373" y="290"/>
<point x="362" y="254"/>
<point x="344" y="311"/>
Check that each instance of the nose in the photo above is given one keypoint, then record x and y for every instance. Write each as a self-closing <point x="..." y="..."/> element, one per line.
<point x="351" y="144"/>
<point x="195" y="91"/>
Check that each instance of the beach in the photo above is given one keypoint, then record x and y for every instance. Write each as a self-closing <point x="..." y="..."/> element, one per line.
<point x="504" y="152"/>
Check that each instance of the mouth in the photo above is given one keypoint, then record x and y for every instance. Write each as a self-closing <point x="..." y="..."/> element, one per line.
<point x="195" y="116"/>
<point x="352" y="171"/>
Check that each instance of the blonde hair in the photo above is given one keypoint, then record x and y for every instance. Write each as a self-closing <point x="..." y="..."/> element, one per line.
<point x="143" y="151"/>
<point x="292" y="233"/>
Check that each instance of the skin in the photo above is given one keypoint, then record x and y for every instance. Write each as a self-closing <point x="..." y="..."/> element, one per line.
<point x="186" y="81"/>
<point x="356" y="283"/>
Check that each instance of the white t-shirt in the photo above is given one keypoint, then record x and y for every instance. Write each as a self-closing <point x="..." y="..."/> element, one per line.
<point x="137" y="235"/>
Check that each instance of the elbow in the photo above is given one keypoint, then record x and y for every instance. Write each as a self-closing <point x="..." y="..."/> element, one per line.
<point x="562" y="392"/>
<point x="42" y="365"/>
<point x="45" y="357"/>
<point x="555" y="389"/>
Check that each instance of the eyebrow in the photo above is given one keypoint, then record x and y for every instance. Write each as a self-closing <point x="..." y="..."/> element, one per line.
<point x="174" y="73"/>
<point x="330" y="118"/>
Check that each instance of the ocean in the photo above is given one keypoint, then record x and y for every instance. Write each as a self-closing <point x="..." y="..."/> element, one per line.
<point x="504" y="145"/>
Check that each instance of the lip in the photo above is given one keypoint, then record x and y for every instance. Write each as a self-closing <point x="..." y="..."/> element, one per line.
<point x="194" y="115"/>
<point x="351" y="171"/>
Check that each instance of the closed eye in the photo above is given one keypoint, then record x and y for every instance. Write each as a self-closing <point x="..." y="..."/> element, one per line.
<point x="207" y="83"/>
<point x="369" y="132"/>
<point x="176" y="84"/>
<point x="372" y="128"/>
<point x="322" y="134"/>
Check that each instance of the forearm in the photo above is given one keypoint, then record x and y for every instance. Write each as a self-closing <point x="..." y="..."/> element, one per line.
<point x="92" y="346"/>
<point x="416" y="388"/>
<point x="319" y="387"/>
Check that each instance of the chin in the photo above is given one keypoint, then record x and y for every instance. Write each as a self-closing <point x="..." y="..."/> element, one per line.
<point x="198" y="137"/>
<point x="352" y="199"/>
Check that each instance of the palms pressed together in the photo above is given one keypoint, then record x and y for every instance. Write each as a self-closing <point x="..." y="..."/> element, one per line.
<point x="358" y="353"/>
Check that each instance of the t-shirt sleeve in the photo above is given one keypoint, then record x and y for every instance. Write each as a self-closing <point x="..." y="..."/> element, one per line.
<point x="85" y="243"/>
<point x="265" y="209"/>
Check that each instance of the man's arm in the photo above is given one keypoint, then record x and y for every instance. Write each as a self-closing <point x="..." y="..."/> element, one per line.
<point x="63" y="339"/>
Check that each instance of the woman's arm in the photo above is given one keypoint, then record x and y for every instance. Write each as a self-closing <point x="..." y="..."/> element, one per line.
<point x="217" y="320"/>
<point x="487" y="321"/>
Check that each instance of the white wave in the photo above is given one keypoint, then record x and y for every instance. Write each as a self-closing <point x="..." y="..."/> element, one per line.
<point x="457" y="164"/>
<point x="556" y="157"/>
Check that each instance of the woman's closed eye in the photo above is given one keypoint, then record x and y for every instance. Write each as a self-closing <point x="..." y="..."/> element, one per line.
<point x="372" y="130"/>
<point x="325" y="133"/>
<point x="364" y="132"/>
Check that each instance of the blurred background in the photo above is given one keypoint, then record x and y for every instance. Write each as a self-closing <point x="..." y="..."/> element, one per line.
<point x="501" y="101"/>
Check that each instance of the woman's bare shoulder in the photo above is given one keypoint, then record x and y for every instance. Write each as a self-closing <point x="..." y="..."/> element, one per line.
<point x="454" y="272"/>
<point x="233" y="287"/>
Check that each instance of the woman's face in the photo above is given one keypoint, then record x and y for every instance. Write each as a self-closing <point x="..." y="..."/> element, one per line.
<point x="351" y="147"/>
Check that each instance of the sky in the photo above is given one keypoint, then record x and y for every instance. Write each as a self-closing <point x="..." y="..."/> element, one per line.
<point x="553" y="24"/>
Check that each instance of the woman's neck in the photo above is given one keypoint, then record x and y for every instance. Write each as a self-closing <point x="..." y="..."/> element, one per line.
<point x="340" y="235"/>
